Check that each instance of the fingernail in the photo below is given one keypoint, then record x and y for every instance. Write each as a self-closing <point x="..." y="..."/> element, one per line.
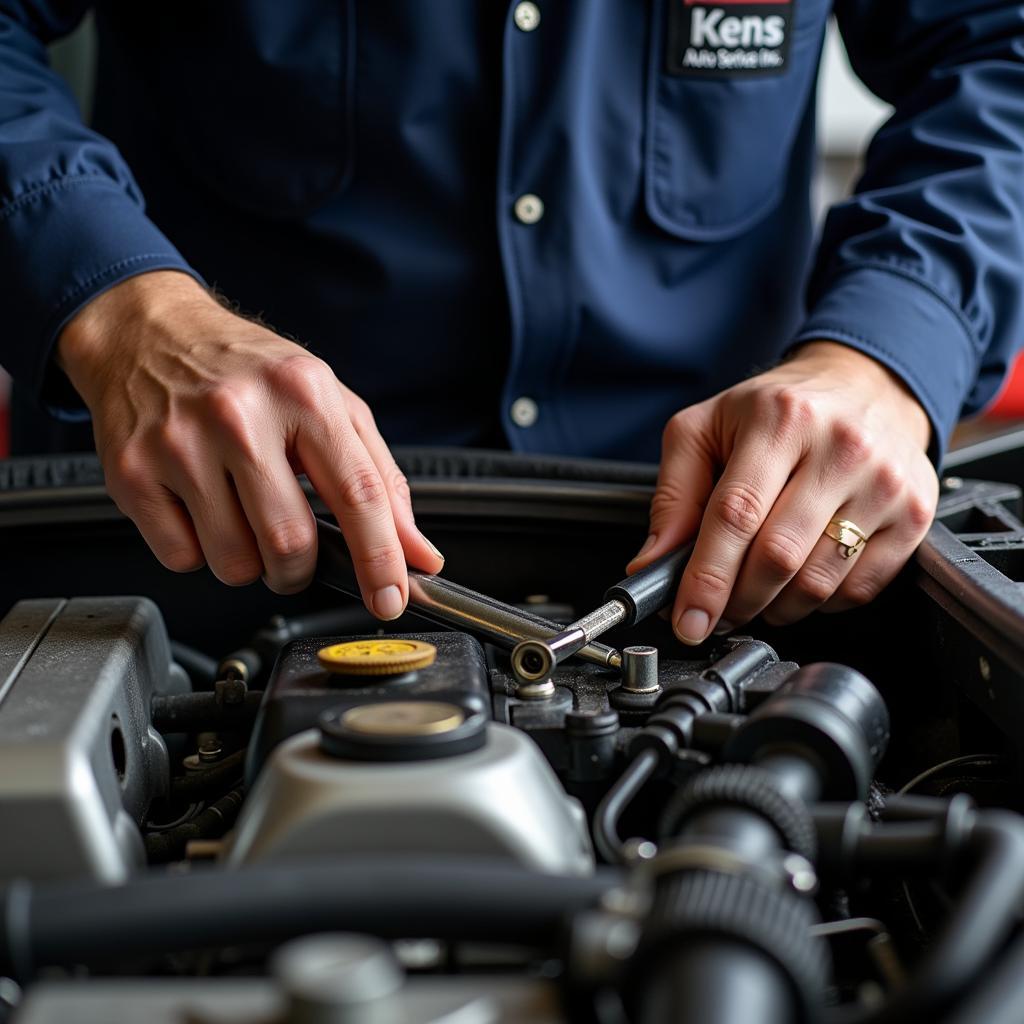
<point x="723" y="627"/>
<point x="433" y="547"/>
<point x="692" y="626"/>
<point x="648" y="544"/>
<point x="387" y="603"/>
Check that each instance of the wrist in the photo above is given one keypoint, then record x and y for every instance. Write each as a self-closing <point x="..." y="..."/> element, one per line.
<point x="152" y="299"/>
<point x="850" y="363"/>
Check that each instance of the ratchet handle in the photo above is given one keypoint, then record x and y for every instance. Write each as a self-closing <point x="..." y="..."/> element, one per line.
<point x="650" y="589"/>
<point x="333" y="563"/>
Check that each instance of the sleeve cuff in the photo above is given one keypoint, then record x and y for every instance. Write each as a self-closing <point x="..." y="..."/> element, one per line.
<point x="910" y="328"/>
<point x="64" y="244"/>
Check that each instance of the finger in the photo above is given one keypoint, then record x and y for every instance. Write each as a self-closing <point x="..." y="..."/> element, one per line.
<point x="224" y="533"/>
<point x="824" y="571"/>
<point x="879" y="563"/>
<point x="166" y="528"/>
<point x="686" y="477"/>
<point x="157" y="513"/>
<point x="344" y="475"/>
<point x="280" y="518"/>
<point x="741" y="501"/>
<point x="783" y="544"/>
<point x="876" y="567"/>
<point x="418" y="549"/>
<point x="894" y="515"/>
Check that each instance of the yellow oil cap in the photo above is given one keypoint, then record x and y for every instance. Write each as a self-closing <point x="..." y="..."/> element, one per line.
<point x="377" y="657"/>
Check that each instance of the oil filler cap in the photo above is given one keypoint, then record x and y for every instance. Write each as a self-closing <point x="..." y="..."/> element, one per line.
<point x="401" y="730"/>
<point x="377" y="657"/>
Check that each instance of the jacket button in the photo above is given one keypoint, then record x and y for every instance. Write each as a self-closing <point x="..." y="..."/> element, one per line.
<point x="529" y="209"/>
<point x="524" y="412"/>
<point x="526" y="16"/>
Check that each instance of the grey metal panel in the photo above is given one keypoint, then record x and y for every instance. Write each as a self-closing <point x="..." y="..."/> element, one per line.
<point x="20" y="632"/>
<point x="502" y="800"/>
<point x="77" y="694"/>
<point x="479" y="1000"/>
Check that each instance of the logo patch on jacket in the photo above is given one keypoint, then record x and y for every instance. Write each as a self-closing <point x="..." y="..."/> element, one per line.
<point x="728" y="37"/>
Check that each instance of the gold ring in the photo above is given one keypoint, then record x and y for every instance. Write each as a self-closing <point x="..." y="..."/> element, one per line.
<point x="850" y="537"/>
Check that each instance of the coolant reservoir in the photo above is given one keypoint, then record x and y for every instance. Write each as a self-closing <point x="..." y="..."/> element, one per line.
<point x="412" y="776"/>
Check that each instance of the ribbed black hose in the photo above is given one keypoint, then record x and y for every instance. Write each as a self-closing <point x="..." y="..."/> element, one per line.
<point x="393" y="897"/>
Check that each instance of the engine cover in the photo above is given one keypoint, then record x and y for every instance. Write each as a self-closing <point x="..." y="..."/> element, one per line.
<point x="79" y="760"/>
<point x="501" y="800"/>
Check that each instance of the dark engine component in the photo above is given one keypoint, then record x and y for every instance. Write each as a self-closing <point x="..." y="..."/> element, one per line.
<point x="300" y="688"/>
<point x="323" y="819"/>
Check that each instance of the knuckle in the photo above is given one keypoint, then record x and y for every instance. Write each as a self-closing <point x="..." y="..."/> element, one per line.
<point x="400" y="485"/>
<point x="815" y="583"/>
<point x="302" y="378"/>
<point x="381" y="559"/>
<point x="238" y="568"/>
<point x="740" y="508"/>
<point x="290" y="539"/>
<point x="920" y="512"/>
<point x="851" y="445"/>
<point x="359" y="410"/>
<point x="666" y="500"/>
<point x="782" y="554"/>
<point x="233" y="408"/>
<point x="127" y="472"/>
<point x="863" y="588"/>
<point x="362" y="487"/>
<point x="710" y="580"/>
<point x="173" y="443"/>
<point x="888" y="482"/>
<point x="676" y="430"/>
<point x="182" y="559"/>
<point x="791" y="410"/>
<point x="780" y="615"/>
<point x="288" y="585"/>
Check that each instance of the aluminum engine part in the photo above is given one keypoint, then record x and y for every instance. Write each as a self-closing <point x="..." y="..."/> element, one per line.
<point x="502" y="800"/>
<point x="79" y="760"/>
<point x="423" y="1000"/>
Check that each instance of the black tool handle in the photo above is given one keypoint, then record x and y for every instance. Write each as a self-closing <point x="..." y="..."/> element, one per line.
<point x="333" y="562"/>
<point x="649" y="590"/>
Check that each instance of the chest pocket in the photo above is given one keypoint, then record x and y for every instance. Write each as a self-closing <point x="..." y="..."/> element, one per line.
<point x="717" y="145"/>
<point x="256" y="96"/>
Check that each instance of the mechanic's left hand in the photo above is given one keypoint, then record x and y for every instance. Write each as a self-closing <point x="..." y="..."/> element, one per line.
<point x="762" y="468"/>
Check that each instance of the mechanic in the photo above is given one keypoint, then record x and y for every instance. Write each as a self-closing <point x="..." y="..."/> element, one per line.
<point x="556" y="226"/>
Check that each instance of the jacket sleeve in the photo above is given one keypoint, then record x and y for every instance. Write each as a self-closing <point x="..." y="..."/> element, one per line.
<point x="72" y="222"/>
<point x="923" y="268"/>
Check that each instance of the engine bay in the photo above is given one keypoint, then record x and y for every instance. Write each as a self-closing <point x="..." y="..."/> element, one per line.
<point x="226" y="806"/>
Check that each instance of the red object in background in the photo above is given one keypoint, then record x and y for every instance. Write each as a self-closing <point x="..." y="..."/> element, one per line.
<point x="1009" y="403"/>
<point x="5" y="433"/>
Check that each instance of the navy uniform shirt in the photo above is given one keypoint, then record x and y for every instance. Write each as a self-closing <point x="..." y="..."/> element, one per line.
<point x="551" y="224"/>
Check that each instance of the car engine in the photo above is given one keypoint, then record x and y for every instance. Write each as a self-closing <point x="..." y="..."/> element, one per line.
<point x="223" y="806"/>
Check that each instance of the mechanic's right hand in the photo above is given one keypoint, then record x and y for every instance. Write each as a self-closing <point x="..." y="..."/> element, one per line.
<point x="202" y="420"/>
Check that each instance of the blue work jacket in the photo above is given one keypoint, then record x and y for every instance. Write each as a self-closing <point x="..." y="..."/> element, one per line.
<point x="545" y="225"/>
